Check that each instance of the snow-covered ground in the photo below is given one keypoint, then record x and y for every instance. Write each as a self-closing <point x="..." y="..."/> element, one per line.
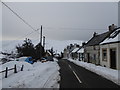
<point x="108" y="73"/>
<point x="37" y="75"/>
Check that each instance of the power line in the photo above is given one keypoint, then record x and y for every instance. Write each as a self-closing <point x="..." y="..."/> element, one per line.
<point x="19" y="16"/>
<point x="64" y="28"/>
<point x="23" y="21"/>
<point x="5" y="45"/>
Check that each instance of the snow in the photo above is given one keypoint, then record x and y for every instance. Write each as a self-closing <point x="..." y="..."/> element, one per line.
<point x="9" y="45"/>
<point x="21" y="58"/>
<point x="37" y="75"/>
<point x="107" y="73"/>
<point x="57" y="45"/>
<point x="81" y="50"/>
<point x="75" y="50"/>
<point x="108" y="40"/>
<point x="18" y="64"/>
<point x="49" y="53"/>
<point x="2" y="56"/>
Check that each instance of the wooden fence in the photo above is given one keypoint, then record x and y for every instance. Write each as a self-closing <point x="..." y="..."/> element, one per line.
<point x="15" y="70"/>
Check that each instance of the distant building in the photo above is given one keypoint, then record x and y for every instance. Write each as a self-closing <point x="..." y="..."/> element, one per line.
<point x="80" y="54"/>
<point x="67" y="53"/>
<point x="74" y="54"/>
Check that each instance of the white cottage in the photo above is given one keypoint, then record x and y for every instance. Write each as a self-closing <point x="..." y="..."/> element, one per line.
<point x="81" y="54"/>
<point x="92" y="47"/>
<point x="74" y="54"/>
<point x="110" y="51"/>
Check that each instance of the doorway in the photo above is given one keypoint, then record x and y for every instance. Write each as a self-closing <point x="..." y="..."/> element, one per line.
<point x="113" y="58"/>
<point x="88" y="57"/>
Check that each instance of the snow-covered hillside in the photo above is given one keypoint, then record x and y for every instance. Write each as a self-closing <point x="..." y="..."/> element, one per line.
<point x="57" y="45"/>
<point x="60" y="45"/>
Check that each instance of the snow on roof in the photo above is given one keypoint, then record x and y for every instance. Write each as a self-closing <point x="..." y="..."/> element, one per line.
<point x="2" y="56"/>
<point x="49" y="52"/>
<point x="108" y="40"/>
<point x="81" y="50"/>
<point x="75" y="50"/>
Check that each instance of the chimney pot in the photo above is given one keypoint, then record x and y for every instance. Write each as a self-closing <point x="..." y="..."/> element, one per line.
<point x="83" y="43"/>
<point x="112" y="27"/>
<point x="109" y="27"/>
<point x="94" y="34"/>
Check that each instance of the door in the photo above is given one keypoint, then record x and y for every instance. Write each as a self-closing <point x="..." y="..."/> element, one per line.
<point x="79" y="56"/>
<point x="88" y="57"/>
<point x="113" y="58"/>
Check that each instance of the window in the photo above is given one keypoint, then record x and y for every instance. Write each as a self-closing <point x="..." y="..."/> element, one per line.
<point x="94" y="48"/>
<point x="94" y="56"/>
<point x="104" y="54"/>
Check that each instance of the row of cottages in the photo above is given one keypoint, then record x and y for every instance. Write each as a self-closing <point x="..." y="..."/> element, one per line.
<point x="73" y="54"/>
<point x="78" y="54"/>
<point x="67" y="53"/>
<point x="104" y="49"/>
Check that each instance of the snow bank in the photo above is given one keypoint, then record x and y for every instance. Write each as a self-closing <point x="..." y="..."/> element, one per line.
<point x="55" y="59"/>
<point x="38" y="75"/>
<point x="18" y="64"/>
<point x="2" y="56"/>
<point x="11" y="64"/>
<point x="108" y="73"/>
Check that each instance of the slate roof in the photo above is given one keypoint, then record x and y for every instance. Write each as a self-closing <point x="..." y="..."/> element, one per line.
<point x="79" y="48"/>
<point x="114" y="38"/>
<point x="75" y="50"/>
<point x="96" y="40"/>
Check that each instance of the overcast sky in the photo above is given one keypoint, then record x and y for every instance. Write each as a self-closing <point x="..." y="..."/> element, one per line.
<point x="60" y="21"/>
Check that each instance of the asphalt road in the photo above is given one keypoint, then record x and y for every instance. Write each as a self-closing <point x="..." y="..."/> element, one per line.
<point x="73" y="76"/>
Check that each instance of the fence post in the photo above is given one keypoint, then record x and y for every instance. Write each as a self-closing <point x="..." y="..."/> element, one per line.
<point x="22" y="67"/>
<point x="15" y="69"/>
<point x="6" y="71"/>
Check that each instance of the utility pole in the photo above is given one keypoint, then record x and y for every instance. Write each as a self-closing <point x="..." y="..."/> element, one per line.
<point x="44" y="41"/>
<point x="41" y="35"/>
<point x="40" y="42"/>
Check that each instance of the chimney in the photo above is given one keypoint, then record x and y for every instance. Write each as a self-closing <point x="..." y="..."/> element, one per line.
<point x="94" y="34"/>
<point x="112" y="27"/>
<point x="83" y="43"/>
<point x="109" y="27"/>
